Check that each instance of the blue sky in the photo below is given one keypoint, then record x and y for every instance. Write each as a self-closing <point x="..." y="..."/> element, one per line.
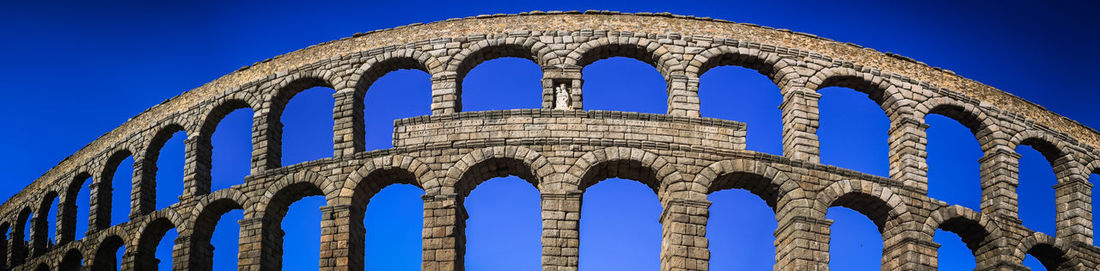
<point x="74" y="70"/>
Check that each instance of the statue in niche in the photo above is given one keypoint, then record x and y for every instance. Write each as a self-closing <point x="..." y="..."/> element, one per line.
<point x="562" y="98"/>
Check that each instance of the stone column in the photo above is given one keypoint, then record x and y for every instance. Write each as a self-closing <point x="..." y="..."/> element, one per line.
<point x="1000" y="177"/>
<point x="561" y="215"/>
<point x="801" y="242"/>
<point x="558" y="78"/>
<point x="1074" y="201"/>
<point x="17" y="247"/>
<point x="446" y="93"/>
<point x="267" y="142"/>
<point x="683" y="233"/>
<point x="143" y="199"/>
<point x="908" y="153"/>
<point x="683" y="95"/>
<point x="66" y="219"/>
<point x="260" y="245"/>
<point x="100" y="206"/>
<point x="444" y="233"/>
<point x="38" y="234"/>
<point x="997" y="255"/>
<point x="183" y="254"/>
<point x="130" y="261"/>
<point x="342" y="237"/>
<point x="196" y="168"/>
<point x="909" y="253"/>
<point x="800" y="122"/>
<point x="348" y="131"/>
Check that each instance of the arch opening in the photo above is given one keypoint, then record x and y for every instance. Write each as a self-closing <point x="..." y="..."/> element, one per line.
<point x="1049" y="258"/>
<point x="739" y="224"/>
<point x="620" y="225"/>
<point x="20" y="237"/>
<point x="843" y="111"/>
<point x="1037" y="179"/>
<point x="74" y="219"/>
<point x="72" y="261"/>
<point x="391" y="235"/>
<point x="961" y="230"/>
<point x="163" y="168"/>
<point x="503" y="215"/>
<point x="109" y="254"/>
<point x="502" y="83"/>
<point x="314" y="120"/>
<point x="854" y="244"/>
<point x="739" y="92"/>
<point x="395" y="92"/>
<point x="953" y="152"/>
<point x="620" y="220"/>
<point x="43" y="234"/>
<point x="155" y="244"/>
<point x="624" y="84"/>
<point x="306" y="222"/>
<point x="210" y="232"/>
<point x="225" y="136"/>
<point x="393" y="238"/>
<point x="503" y="218"/>
<point x="115" y="187"/>
<point x="307" y="126"/>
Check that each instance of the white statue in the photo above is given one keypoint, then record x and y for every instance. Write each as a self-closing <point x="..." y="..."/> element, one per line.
<point x="561" y="97"/>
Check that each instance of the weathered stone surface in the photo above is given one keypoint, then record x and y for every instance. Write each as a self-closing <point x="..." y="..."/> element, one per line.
<point x="562" y="150"/>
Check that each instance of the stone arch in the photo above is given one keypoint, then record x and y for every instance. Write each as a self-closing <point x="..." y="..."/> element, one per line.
<point x="287" y="88"/>
<point x="622" y="162"/>
<point x="645" y="50"/>
<point x="103" y="188"/>
<point x="484" y="50"/>
<point x="150" y="235"/>
<point x="378" y="173"/>
<point x="198" y="183"/>
<point x="40" y="226"/>
<point x="780" y="70"/>
<point x="981" y="125"/>
<point x="763" y="180"/>
<point x="19" y="249"/>
<point x="66" y="227"/>
<point x="884" y="93"/>
<point x="483" y="164"/>
<point x="880" y="204"/>
<point x="317" y="183"/>
<point x="1092" y="167"/>
<point x="147" y="182"/>
<point x="106" y="248"/>
<point x="273" y="206"/>
<point x="204" y="217"/>
<point x="72" y="261"/>
<point x="976" y="230"/>
<point x="217" y="203"/>
<point x="1053" y="253"/>
<point x="401" y="59"/>
<point x="1060" y="156"/>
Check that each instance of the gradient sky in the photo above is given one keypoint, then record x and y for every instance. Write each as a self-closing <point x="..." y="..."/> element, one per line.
<point x="75" y="70"/>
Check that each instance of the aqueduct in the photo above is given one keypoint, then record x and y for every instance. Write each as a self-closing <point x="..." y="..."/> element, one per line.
<point x="563" y="149"/>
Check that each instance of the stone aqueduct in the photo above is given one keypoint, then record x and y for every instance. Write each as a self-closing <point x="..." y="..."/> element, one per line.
<point x="562" y="149"/>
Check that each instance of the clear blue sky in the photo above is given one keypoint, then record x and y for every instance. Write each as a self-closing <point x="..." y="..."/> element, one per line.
<point x="74" y="70"/>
